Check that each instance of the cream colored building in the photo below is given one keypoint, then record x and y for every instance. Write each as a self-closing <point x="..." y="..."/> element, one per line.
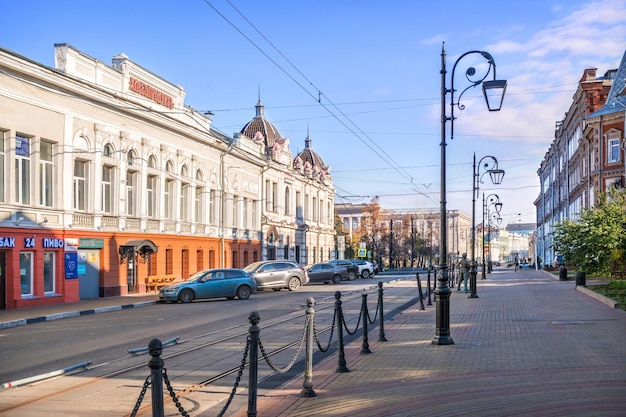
<point x="110" y="182"/>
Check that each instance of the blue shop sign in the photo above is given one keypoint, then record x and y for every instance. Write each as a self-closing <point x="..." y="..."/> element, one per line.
<point x="71" y="265"/>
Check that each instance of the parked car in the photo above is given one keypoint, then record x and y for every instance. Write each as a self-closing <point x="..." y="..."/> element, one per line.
<point x="277" y="275"/>
<point x="353" y="270"/>
<point x="326" y="272"/>
<point x="211" y="283"/>
<point x="366" y="268"/>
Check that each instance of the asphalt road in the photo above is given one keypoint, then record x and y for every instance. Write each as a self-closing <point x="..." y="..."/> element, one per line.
<point x="217" y="327"/>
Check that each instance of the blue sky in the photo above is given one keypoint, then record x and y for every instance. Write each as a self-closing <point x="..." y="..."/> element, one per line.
<point x="361" y="75"/>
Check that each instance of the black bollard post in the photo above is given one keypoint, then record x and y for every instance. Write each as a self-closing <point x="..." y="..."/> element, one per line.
<point x="429" y="290"/>
<point x="365" y="346"/>
<point x="307" y="386"/>
<point x="156" y="374"/>
<point x="419" y="288"/>
<point x="381" y="326"/>
<point x="341" y="366"/>
<point x="254" y="362"/>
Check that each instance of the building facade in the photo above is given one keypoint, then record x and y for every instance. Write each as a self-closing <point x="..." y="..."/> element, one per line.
<point x="400" y="237"/>
<point x="577" y="165"/>
<point x="109" y="179"/>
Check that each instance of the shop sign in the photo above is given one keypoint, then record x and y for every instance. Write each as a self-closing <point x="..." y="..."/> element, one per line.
<point x="151" y="93"/>
<point x="90" y="243"/>
<point x="71" y="265"/>
<point x="7" y="242"/>
<point x="71" y="244"/>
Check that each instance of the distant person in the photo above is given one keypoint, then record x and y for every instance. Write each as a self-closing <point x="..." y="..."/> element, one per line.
<point x="463" y="271"/>
<point x="516" y="263"/>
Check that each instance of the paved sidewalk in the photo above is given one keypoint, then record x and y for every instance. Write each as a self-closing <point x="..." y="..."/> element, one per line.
<point x="528" y="346"/>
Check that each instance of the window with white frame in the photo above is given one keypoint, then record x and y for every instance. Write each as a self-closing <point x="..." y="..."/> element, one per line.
<point x="612" y="147"/>
<point x="198" y="213"/>
<point x="299" y="213"/>
<point x="246" y="203"/>
<point x="46" y="169"/>
<point x="26" y="273"/>
<point x="3" y="137"/>
<point x="131" y="192"/>
<point x="253" y="214"/>
<point x="48" y="271"/>
<point x="169" y="192"/>
<point x="107" y="189"/>
<point x="235" y="217"/>
<point x="151" y="186"/>
<point x="22" y="169"/>
<point x="184" y="200"/>
<point x="184" y="195"/>
<point x="274" y="197"/>
<point x="287" y="202"/>
<point x="80" y="181"/>
<point x="212" y="211"/>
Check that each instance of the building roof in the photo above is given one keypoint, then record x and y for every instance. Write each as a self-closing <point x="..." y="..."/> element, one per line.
<point x="616" y="101"/>
<point x="310" y="156"/>
<point x="260" y="129"/>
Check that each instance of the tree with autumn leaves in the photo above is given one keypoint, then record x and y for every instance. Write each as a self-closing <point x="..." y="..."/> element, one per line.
<point x="596" y="242"/>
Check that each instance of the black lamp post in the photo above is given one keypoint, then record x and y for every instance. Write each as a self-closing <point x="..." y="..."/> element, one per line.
<point x="494" y="94"/>
<point x="490" y="167"/>
<point x="491" y="200"/>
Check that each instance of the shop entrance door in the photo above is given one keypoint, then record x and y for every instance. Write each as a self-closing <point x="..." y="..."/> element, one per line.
<point x="89" y="273"/>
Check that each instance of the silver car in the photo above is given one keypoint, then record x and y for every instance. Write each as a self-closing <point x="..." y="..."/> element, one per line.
<point x="277" y="275"/>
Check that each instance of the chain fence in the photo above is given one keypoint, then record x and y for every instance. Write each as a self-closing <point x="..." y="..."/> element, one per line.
<point x="310" y="335"/>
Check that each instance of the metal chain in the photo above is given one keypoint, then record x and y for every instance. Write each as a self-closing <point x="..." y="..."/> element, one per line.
<point x="239" y="374"/>
<point x="375" y="315"/>
<point x="330" y="339"/>
<point x="146" y="384"/>
<point x="295" y="356"/>
<point x="345" y="326"/>
<point x="181" y="410"/>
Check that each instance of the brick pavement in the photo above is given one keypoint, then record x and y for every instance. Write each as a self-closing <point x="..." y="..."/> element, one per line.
<point x="528" y="346"/>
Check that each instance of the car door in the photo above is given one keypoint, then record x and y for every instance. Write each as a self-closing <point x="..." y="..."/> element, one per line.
<point x="264" y="276"/>
<point x="212" y="285"/>
<point x="231" y="281"/>
<point x="316" y="273"/>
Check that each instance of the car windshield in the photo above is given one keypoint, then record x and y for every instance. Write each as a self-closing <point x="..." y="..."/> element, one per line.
<point x="253" y="266"/>
<point x="195" y="277"/>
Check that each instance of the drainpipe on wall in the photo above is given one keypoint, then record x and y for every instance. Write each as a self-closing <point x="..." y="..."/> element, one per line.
<point x="223" y="203"/>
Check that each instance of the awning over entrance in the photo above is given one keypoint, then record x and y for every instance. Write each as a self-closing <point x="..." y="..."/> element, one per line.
<point x="144" y="248"/>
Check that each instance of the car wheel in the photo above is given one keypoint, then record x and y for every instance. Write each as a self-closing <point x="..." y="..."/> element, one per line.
<point x="243" y="292"/>
<point x="365" y="274"/>
<point x="351" y="276"/>
<point x="293" y="284"/>
<point x="186" y="296"/>
<point x="336" y="279"/>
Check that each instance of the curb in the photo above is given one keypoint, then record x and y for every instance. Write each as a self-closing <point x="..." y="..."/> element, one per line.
<point x="602" y="298"/>
<point x="58" y="316"/>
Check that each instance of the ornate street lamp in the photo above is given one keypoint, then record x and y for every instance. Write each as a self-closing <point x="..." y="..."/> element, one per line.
<point x="490" y="167"/>
<point x="491" y="90"/>
<point x="491" y="200"/>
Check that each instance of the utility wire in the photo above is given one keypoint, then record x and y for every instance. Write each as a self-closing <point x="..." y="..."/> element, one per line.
<point x="387" y="158"/>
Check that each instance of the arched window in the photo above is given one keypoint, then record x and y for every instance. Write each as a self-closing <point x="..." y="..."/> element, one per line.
<point x="107" y="150"/>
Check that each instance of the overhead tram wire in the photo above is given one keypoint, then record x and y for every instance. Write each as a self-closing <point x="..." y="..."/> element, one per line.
<point x="387" y="158"/>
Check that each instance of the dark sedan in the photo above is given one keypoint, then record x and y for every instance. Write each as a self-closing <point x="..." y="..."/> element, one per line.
<point x="325" y="272"/>
<point x="212" y="283"/>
